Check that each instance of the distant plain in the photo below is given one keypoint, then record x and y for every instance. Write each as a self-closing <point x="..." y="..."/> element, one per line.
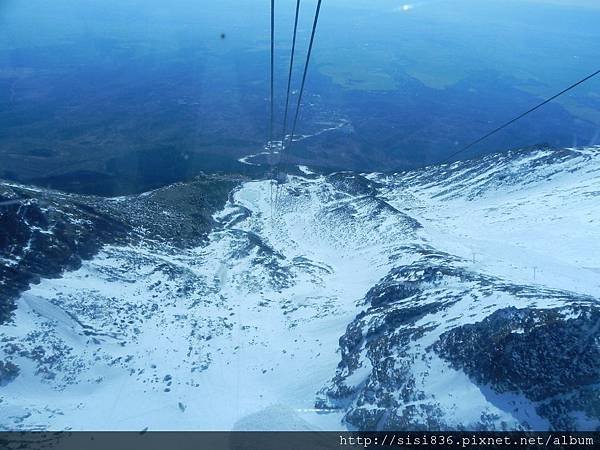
<point x="120" y="97"/>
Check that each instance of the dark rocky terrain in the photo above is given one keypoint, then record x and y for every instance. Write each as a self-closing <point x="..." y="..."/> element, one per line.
<point x="550" y="356"/>
<point x="547" y="356"/>
<point x="44" y="233"/>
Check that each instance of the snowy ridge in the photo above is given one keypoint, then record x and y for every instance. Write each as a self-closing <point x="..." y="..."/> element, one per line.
<point x="530" y="215"/>
<point x="517" y="231"/>
<point x="340" y="307"/>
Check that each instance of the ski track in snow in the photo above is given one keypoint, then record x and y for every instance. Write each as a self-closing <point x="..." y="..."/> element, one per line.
<point x="242" y="333"/>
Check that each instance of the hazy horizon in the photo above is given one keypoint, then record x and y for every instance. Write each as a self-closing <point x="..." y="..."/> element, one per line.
<point x="113" y="89"/>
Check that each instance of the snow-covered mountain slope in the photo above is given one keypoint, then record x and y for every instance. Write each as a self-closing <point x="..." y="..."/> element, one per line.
<point x="460" y="296"/>
<point x="495" y="323"/>
<point x="529" y="215"/>
<point x="44" y="232"/>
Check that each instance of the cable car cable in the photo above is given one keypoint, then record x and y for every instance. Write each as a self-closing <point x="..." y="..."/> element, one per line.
<point x="520" y="116"/>
<point x="306" y="64"/>
<point x="272" y="99"/>
<point x="289" y="83"/>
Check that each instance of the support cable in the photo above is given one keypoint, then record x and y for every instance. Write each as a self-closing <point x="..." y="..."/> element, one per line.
<point x="272" y="73"/>
<point x="520" y="116"/>
<point x="299" y="102"/>
<point x="289" y="83"/>
<point x="310" y="47"/>
<point x="272" y="99"/>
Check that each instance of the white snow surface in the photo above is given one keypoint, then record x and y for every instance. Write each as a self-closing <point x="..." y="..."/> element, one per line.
<point x="243" y="332"/>
<point x="518" y="217"/>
